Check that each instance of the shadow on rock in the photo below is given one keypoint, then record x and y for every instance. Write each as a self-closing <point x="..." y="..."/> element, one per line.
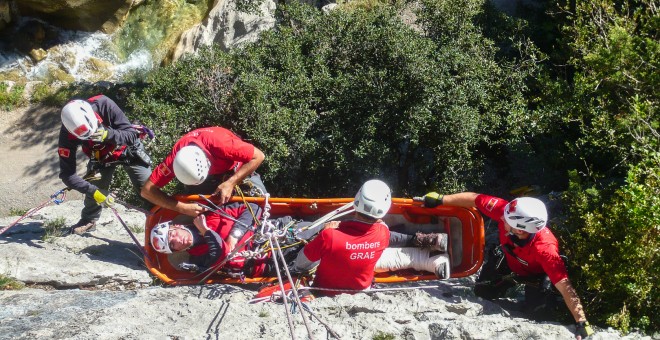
<point x="116" y="252"/>
<point x="28" y="233"/>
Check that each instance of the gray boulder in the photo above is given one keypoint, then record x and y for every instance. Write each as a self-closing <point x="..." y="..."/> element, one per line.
<point x="226" y="27"/>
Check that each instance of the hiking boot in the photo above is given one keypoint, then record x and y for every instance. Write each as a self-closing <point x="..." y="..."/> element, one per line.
<point x="433" y="241"/>
<point x="82" y="227"/>
<point x="441" y="263"/>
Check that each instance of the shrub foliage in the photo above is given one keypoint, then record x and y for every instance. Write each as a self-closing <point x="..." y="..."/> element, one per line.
<point x="614" y="210"/>
<point x="336" y="99"/>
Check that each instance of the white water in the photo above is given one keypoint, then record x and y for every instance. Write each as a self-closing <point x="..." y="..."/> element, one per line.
<point x="84" y="56"/>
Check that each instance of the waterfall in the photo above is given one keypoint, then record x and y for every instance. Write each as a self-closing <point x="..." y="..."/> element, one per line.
<point x="78" y="56"/>
<point x="65" y="55"/>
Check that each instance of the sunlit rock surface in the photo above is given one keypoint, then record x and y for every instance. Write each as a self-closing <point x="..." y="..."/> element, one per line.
<point x="226" y="27"/>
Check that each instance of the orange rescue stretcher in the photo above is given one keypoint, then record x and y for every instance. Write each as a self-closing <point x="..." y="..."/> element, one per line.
<point x="465" y="228"/>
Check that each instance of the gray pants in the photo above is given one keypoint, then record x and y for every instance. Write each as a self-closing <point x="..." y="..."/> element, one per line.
<point x="400" y="240"/>
<point x="137" y="172"/>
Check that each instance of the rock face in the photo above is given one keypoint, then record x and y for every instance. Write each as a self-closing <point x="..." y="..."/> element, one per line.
<point x="225" y="27"/>
<point x="105" y="257"/>
<point x="85" y="15"/>
<point x="5" y="14"/>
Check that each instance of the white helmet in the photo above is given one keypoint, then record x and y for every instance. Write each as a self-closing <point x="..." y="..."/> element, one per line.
<point x="374" y="199"/>
<point x="79" y="118"/>
<point x="191" y="166"/>
<point x="526" y="213"/>
<point x="160" y="238"/>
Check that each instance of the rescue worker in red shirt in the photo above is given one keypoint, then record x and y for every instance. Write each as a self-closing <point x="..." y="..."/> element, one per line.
<point x="348" y="253"/>
<point x="529" y="247"/>
<point x="199" y="160"/>
<point x="108" y="139"/>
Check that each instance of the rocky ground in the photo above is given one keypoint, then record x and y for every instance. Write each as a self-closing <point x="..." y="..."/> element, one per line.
<point x="95" y="286"/>
<point x="28" y="149"/>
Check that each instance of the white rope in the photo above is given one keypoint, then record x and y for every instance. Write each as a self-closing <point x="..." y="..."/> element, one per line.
<point x="335" y="213"/>
<point x="279" y="282"/>
<point x="293" y="287"/>
<point x="368" y="290"/>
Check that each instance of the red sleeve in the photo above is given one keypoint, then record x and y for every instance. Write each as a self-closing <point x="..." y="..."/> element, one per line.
<point x="553" y="266"/>
<point x="491" y="206"/>
<point x="320" y="245"/>
<point x="164" y="172"/>
<point x="219" y="224"/>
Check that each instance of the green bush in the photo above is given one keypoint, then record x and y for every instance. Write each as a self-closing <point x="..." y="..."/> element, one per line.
<point x="615" y="56"/>
<point x="613" y="203"/>
<point x="9" y="283"/>
<point x="340" y="98"/>
<point x="11" y="98"/>
<point x="614" y="244"/>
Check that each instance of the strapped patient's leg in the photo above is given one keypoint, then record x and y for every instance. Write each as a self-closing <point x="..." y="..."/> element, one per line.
<point x="432" y="241"/>
<point x="414" y="258"/>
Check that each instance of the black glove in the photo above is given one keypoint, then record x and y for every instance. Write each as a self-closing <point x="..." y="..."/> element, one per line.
<point x="583" y="329"/>
<point x="433" y="199"/>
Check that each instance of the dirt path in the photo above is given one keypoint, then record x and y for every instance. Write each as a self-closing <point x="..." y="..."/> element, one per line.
<point x="28" y="157"/>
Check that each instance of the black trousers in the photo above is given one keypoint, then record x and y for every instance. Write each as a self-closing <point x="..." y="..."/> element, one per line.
<point x="542" y="300"/>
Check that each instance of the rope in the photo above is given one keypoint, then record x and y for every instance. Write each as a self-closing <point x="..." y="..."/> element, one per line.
<point x="327" y="327"/>
<point x="130" y="233"/>
<point x="286" y="305"/>
<point x="293" y="286"/>
<point x="57" y="198"/>
<point x="339" y="290"/>
<point x="254" y="217"/>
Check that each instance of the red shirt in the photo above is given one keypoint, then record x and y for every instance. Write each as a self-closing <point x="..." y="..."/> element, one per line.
<point x="223" y="227"/>
<point x="348" y="254"/>
<point x="223" y="148"/>
<point x="541" y="253"/>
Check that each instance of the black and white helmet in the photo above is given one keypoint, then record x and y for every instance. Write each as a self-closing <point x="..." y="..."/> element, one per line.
<point x="526" y="213"/>
<point x="160" y="238"/>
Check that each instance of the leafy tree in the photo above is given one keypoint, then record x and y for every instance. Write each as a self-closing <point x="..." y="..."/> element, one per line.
<point x="339" y="98"/>
<point x="613" y="208"/>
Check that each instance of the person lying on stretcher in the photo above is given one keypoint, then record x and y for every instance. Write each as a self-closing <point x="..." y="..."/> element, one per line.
<point x="212" y="236"/>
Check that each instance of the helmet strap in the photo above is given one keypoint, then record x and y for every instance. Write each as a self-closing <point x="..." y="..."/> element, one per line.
<point x="98" y="117"/>
<point x="196" y="237"/>
<point x="518" y="241"/>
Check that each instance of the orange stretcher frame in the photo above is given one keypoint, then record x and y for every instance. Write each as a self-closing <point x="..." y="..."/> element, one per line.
<point x="471" y="227"/>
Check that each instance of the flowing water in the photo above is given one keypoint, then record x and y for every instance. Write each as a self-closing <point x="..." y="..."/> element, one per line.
<point x="137" y="47"/>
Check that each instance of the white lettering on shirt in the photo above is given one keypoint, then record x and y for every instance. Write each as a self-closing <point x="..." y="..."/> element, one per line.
<point x="362" y="246"/>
